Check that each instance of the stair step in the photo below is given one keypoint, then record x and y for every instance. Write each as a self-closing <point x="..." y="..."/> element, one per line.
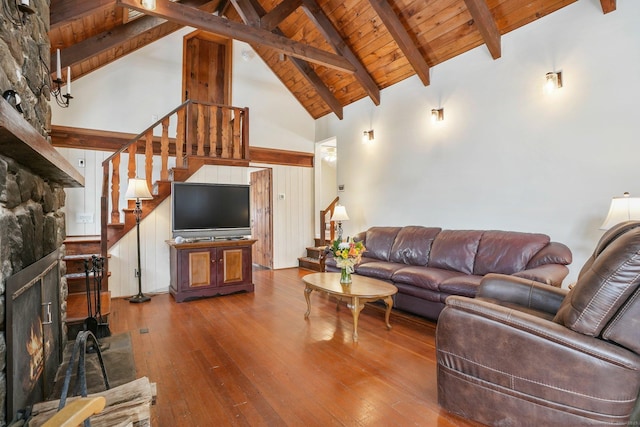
<point x="309" y="263"/>
<point x="77" y="306"/>
<point x="76" y="282"/>
<point x="78" y="245"/>
<point x="316" y="252"/>
<point x="77" y="257"/>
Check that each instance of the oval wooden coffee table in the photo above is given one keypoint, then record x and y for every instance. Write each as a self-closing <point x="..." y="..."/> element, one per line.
<point x="362" y="289"/>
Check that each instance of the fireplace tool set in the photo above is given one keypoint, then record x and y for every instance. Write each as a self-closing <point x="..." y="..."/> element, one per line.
<point x="94" y="322"/>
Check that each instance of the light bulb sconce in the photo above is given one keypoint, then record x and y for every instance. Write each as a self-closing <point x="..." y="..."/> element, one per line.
<point x="148" y="4"/>
<point x="56" y="90"/>
<point x="19" y="15"/>
<point x="25" y="7"/>
<point x="367" y="136"/>
<point x="553" y="81"/>
<point x="437" y="114"/>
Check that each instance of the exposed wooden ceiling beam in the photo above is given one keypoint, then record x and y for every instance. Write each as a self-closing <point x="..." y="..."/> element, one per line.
<point x="608" y="5"/>
<point x="62" y="11"/>
<point x="275" y="16"/>
<point x="325" y="26"/>
<point x="402" y="38"/>
<point x="96" y="45"/>
<point x="186" y="15"/>
<point x="253" y="11"/>
<point x="248" y="12"/>
<point x="486" y="25"/>
<point x="323" y="91"/>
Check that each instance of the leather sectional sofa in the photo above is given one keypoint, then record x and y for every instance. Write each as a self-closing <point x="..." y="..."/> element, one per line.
<point x="428" y="264"/>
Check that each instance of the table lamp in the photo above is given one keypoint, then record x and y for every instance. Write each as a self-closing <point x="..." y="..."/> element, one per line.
<point x="339" y="215"/>
<point x="622" y="209"/>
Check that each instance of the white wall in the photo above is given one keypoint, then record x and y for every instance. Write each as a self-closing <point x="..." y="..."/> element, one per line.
<point x="507" y="156"/>
<point x="124" y="95"/>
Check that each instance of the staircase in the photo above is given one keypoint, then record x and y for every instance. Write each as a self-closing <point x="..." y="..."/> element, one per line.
<point x="79" y="249"/>
<point x="205" y="134"/>
<point x="316" y="254"/>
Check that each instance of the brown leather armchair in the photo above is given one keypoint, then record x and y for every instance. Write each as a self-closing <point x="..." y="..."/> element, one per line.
<point x="524" y="353"/>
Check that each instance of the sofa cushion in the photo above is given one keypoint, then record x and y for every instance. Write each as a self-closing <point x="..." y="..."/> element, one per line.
<point x="422" y="293"/>
<point x="413" y="244"/>
<point x="507" y="252"/>
<point x="378" y="269"/>
<point x="466" y="285"/>
<point x="422" y="277"/>
<point x="455" y="250"/>
<point x="607" y="280"/>
<point x="379" y="241"/>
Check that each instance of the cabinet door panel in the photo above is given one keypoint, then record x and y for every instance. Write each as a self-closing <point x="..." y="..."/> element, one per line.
<point x="200" y="268"/>
<point x="231" y="266"/>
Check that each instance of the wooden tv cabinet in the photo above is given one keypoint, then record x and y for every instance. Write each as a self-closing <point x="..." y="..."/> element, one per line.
<point x="208" y="268"/>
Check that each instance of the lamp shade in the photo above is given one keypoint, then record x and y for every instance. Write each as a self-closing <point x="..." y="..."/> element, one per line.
<point x="340" y="214"/>
<point x="622" y="209"/>
<point x="137" y="189"/>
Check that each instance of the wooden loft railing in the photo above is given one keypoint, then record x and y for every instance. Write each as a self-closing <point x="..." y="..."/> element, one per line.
<point x="204" y="134"/>
<point x="325" y="219"/>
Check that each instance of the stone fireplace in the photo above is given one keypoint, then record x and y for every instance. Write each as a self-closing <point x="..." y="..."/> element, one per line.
<point x="33" y="176"/>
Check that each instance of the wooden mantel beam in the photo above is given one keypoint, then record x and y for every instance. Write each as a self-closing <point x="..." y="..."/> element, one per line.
<point x="192" y="17"/>
<point x="402" y="38"/>
<point x="486" y="25"/>
<point x="608" y="5"/>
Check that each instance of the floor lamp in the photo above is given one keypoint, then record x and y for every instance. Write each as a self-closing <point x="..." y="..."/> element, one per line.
<point x="138" y="190"/>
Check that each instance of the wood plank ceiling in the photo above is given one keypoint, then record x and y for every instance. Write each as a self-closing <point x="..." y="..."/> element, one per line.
<point x="328" y="53"/>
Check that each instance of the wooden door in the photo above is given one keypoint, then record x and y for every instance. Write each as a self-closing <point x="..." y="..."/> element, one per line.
<point x="206" y="78"/>
<point x="261" y="221"/>
<point x="207" y="68"/>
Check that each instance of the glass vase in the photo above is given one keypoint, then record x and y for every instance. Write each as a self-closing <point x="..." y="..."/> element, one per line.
<point x="345" y="276"/>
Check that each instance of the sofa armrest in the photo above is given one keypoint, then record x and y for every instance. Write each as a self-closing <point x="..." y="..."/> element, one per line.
<point x="521" y="292"/>
<point x="516" y="353"/>
<point x="563" y="343"/>
<point x="551" y="274"/>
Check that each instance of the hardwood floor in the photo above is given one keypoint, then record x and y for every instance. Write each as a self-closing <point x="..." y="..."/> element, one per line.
<point x="251" y="359"/>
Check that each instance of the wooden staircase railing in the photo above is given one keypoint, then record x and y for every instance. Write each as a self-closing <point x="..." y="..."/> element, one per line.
<point x="325" y="218"/>
<point x="205" y="133"/>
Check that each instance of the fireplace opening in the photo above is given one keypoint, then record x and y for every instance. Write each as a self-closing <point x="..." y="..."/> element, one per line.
<point x="34" y="333"/>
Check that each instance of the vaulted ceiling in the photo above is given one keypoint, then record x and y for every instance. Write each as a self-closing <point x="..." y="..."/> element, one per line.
<point x="328" y="53"/>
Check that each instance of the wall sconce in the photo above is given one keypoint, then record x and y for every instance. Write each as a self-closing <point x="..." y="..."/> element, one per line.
<point x="367" y="136"/>
<point x="25" y="7"/>
<point x="148" y="4"/>
<point x="61" y="100"/>
<point x="437" y="114"/>
<point x="553" y="81"/>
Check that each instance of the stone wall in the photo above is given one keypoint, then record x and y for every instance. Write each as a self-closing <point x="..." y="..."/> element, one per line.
<point x="31" y="220"/>
<point x="25" y="58"/>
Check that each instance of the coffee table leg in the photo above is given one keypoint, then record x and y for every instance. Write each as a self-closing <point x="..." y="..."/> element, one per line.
<point x="307" y="292"/>
<point x="389" y="302"/>
<point x="356" y="308"/>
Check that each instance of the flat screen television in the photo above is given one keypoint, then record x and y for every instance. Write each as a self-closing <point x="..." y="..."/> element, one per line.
<point x="207" y="211"/>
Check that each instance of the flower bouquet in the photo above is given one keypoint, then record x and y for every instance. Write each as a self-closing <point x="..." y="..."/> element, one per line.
<point x="347" y="254"/>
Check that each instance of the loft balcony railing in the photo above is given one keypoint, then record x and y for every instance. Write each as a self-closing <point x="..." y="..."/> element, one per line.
<point x="194" y="132"/>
